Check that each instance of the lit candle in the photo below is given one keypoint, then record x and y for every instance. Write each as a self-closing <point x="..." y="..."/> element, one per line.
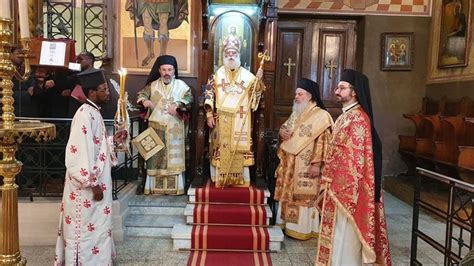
<point x="23" y="12"/>
<point x="120" y="81"/>
<point x="122" y="89"/>
<point x="5" y="9"/>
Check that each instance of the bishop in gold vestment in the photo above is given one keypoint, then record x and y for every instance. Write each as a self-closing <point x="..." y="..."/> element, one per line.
<point x="305" y="137"/>
<point x="232" y="94"/>
<point x="168" y="100"/>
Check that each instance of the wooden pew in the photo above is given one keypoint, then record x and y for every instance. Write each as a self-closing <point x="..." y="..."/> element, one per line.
<point x="429" y="108"/>
<point x="429" y="129"/>
<point x="444" y="138"/>
<point x="410" y="147"/>
<point x="465" y="160"/>
<point x="451" y="131"/>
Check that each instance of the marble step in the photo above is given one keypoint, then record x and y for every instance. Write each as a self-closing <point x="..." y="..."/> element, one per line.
<point x="158" y="201"/>
<point x="181" y="235"/>
<point x="192" y="195"/>
<point x="160" y="226"/>
<point x="189" y="212"/>
<point x="157" y="210"/>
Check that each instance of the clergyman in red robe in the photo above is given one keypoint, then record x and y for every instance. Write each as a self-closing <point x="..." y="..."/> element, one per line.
<point x="353" y="226"/>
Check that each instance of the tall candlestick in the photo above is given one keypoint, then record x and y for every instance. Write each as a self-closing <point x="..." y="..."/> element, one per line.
<point x="5" y="9"/>
<point x="23" y="12"/>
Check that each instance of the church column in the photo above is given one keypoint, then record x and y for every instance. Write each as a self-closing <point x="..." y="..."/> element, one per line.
<point x="267" y="41"/>
<point x="200" y="122"/>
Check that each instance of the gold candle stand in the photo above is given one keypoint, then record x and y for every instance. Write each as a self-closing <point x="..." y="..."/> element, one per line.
<point x="11" y="134"/>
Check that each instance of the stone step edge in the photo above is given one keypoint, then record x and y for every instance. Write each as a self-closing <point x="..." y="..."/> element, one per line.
<point x="183" y="232"/>
<point x="162" y="233"/>
<point x="127" y="223"/>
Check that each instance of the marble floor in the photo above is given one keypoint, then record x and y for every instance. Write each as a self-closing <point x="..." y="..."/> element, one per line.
<point x="148" y="251"/>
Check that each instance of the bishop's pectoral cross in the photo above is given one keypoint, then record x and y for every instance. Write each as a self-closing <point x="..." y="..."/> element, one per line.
<point x="229" y="88"/>
<point x="166" y="104"/>
<point x="288" y="66"/>
<point x="223" y="84"/>
<point x="331" y="66"/>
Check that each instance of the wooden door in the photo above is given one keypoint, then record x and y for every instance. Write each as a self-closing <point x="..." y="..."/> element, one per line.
<point x="314" y="49"/>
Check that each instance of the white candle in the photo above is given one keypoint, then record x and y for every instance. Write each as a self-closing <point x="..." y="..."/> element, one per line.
<point x="5" y="9"/>
<point x="124" y="72"/>
<point x="24" y="25"/>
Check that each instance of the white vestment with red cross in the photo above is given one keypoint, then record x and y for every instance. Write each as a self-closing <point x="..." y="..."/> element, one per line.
<point x="85" y="226"/>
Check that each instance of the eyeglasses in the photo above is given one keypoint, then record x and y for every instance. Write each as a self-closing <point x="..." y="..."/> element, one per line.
<point x="341" y="88"/>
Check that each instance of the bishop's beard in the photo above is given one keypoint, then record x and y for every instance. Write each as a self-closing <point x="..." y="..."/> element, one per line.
<point x="299" y="108"/>
<point x="232" y="64"/>
<point x="167" y="78"/>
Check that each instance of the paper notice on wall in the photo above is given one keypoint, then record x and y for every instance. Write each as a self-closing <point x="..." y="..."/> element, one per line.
<point x="52" y="53"/>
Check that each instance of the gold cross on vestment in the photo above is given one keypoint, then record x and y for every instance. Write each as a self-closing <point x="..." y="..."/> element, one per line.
<point x="223" y="84"/>
<point x="148" y="143"/>
<point x="288" y="66"/>
<point x="242" y="112"/>
<point x="331" y="66"/>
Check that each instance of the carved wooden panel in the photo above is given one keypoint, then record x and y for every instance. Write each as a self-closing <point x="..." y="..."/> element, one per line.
<point x="289" y="65"/>
<point x="334" y="45"/>
<point x="293" y="39"/>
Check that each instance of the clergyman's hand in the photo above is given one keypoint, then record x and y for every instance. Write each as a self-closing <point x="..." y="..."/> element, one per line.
<point x="49" y="84"/>
<point x="120" y="135"/>
<point x="97" y="192"/>
<point x="259" y="74"/>
<point x="211" y="122"/>
<point x="285" y="134"/>
<point x="148" y="104"/>
<point x="66" y="93"/>
<point x="172" y="109"/>
<point x="315" y="170"/>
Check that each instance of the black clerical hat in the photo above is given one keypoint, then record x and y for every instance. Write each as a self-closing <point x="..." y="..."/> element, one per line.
<point x="91" y="78"/>
<point x="313" y="88"/>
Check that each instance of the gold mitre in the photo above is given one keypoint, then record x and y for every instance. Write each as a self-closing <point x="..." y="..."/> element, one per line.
<point x="231" y="42"/>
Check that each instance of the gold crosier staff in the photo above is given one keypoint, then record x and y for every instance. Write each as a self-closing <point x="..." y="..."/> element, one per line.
<point x="264" y="57"/>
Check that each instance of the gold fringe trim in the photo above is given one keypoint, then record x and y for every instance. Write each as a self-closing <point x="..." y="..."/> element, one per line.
<point x="300" y="236"/>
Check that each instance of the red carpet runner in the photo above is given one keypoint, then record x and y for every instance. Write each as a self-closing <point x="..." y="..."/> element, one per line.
<point x="229" y="227"/>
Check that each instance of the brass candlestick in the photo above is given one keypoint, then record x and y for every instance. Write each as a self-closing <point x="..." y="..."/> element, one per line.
<point x="11" y="134"/>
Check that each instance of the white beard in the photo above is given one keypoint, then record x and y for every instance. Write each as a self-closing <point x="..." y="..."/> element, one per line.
<point x="234" y="64"/>
<point x="299" y="108"/>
